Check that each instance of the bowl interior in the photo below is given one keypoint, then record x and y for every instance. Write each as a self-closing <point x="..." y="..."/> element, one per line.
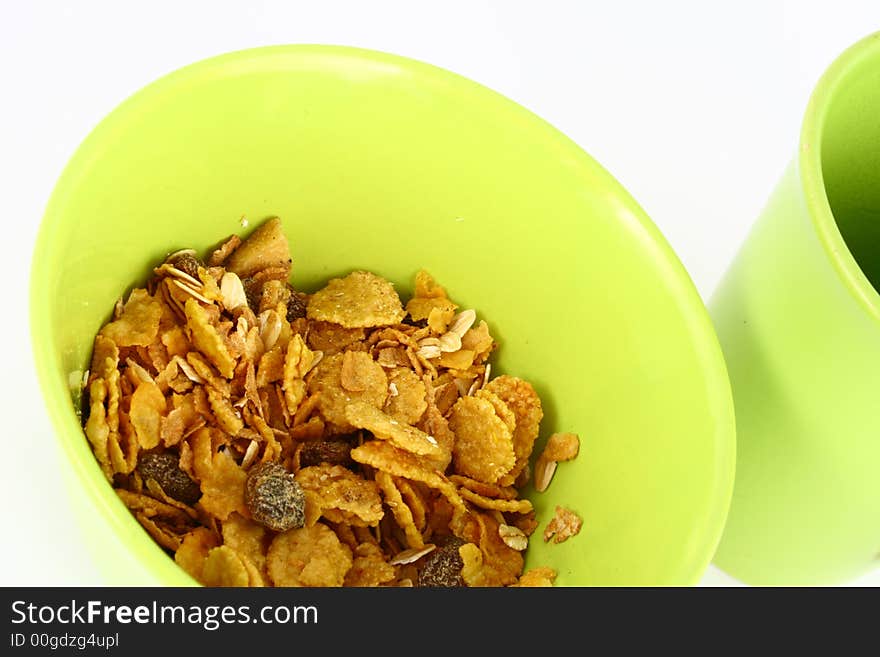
<point x="381" y="163"/>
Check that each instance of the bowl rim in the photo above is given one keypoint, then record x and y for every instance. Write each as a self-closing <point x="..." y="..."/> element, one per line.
<point x="693" y="561"/>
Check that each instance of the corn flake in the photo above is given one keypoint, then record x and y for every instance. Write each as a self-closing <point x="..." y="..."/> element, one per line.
<point x="491" y="503"/>
<point x="221" y="479"/>
<point x="147" y="410"/>
<point x="369" y="567"/>
<point x="340" y="490"/>
<point x="483" y="442"/>
<point x="426" y="287"/>
<point x="138" y="324"/>
<point x="402" y="513"/>
<point x="332" y="338"/>
<point x="521" y="398"/>
<point x="194" y="550"/>
<point x="359" y="372"/>
<point x="382" y="425"/>
<point x="561" y="447"/>
<point x="207" y="339"/>
<point x="388" y="458"/>
<point x="359" y="300"/>
<point x="309" y="556"/>
<point x="334" y="399"/>
<point x="223" y="567"/>
<point x="564" y="524"/>
<point x="537" y="577"/>
<point x="248" y="538"/>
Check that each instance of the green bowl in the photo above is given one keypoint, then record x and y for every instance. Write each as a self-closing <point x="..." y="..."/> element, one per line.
<point x="383" y="163"/>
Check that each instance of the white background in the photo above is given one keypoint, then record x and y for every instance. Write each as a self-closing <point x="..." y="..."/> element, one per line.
<point x="694" y="106"/>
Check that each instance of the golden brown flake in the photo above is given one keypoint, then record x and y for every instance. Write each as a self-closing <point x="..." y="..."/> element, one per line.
<point x="564" y="524"/>
<point x="359" y="300"/>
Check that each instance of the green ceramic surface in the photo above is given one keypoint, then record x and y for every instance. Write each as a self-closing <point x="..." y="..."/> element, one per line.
<point x="383" y="163"/>
<point x="799" y="322"/>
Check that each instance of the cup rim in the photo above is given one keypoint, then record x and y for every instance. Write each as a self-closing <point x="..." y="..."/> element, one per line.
<point x="812" y="179"/>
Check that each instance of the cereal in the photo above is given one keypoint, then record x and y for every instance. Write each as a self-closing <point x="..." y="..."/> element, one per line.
<point x="297" y="362"/>
<point x="359" y="372"/>
<point x="414" y="500"/>
<point x="310" y="556"/>
<point x="223" y="567"/>
<point x="382" y="425"/>
<point x="274" y="498"/>
<point x="559" y="447"/>
<point x="221" y="479"/>
<point x="266" y="436"/>
<point x="194" y="550"/>
<point x="522" y="399"/>
<point x="334" y="399"/>
<point x="247" y="538"/>
<point x="409" y="403"/>
<point x="512" y="506"/>
<point x="96" y="429"/>
<point x="402" y="513"/>
<point x="499" y="564"/>
<point x="265" y="248"/>
<point x="564" y="524"/>
<point x="369" y="567"/>
<point x="484" y="489"/>
<point x="384" y="456"/>
<point x="139" y="322"/>
<point x="419" y="309"/>
<point x="343" y="494"/>
<point x="332" y="338"/>
<point x="483" y="442"/>
<point x="359" y="300"/>
<point x="536" y="577"/>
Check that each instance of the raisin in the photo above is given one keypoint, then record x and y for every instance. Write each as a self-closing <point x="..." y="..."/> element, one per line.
<point x="274" y="497"/>
<point x="187" y="262"/>
<point x="442" y="567"/>
<point x="336" y="451"/>
<point x="422" y="323"/>
<point x="296" y="307"/>
<point x="164" y="469"/>
<point x="253" y="291"/>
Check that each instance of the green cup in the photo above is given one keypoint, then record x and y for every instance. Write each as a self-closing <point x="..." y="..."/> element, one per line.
<point x="798" y="317"/>
<point x="378" y="162"/>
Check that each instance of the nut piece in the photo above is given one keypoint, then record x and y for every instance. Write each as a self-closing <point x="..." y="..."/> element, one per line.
<point x="429" y="351"/>
<point x="413" y="554"/>
<point x="232" y="291"/>
<point x="450" y="342"/>
<point x="544" y="470"/>
<point x="559" y="447"/>
<point x="274" y="498"/>
<point x="462" y="322"/>
<point x="513" y="537"/>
